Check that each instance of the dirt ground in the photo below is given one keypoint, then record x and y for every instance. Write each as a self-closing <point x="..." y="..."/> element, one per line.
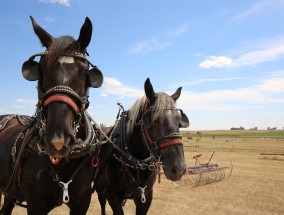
<point x="255" y="187"/>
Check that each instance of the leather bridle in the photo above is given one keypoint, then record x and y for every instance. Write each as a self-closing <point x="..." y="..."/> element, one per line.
<point x="64" y="93"/>
<point x="67" y="95"/>
<point x="174" y="138"/>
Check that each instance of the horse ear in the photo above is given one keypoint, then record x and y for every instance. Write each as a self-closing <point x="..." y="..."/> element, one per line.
<point x="30" y="70"/>
<point x="44" y="37"/>
<point x="85" y="34"/>
<point x="176" y="95"/>
<point x="149" y="91"/>
<point x="95" y="78"/>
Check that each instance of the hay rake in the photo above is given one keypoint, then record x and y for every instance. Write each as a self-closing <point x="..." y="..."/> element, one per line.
<point x="281" y="154"/>
<point x="204" y="173"/>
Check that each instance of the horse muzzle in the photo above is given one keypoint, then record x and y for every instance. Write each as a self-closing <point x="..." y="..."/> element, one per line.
<point x="57" y="146"/>
<point x="175" y="171"/>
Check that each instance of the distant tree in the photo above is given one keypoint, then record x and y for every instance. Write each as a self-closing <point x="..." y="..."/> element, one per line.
<point x="102" y="125"/>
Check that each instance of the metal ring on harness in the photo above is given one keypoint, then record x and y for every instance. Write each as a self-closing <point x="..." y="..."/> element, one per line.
<point x="95" y="161"/>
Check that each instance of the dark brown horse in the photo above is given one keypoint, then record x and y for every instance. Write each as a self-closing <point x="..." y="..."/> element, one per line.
<point x="48" y="159"/>
<point x="146" y="135"/>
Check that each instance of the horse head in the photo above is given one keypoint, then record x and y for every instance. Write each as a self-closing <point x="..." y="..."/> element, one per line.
<point x="64" y="79"/>
<point x="162" y="121"/>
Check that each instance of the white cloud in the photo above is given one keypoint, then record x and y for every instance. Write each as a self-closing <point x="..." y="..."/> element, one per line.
<point x="260" y="8"/>
<point x="62" y="2"/>
<point x="20" y="106"/>
<point x="49" y="19"/>
<point x="267" y="91"/>
<point x="153" y="45"/>
<point x="256" y="53"/>
<point x="202" y="81"/>
<point x="275" y="85"/>
<point x="112" y="82"/>
<point x="159" y="42"/>
<point x="269" y="52"/>
<point x="26" y="101"/>
<point x="216" y="61"/>
<point x="179" y="31"/>
<point x="104" y="95"/>
<point x="269" y="114"/>
<point x="113" y="86"/>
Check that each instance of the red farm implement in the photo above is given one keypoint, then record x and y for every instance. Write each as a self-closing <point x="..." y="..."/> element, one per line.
<point x="205" y="173"/>
<point x="276" y="154"/>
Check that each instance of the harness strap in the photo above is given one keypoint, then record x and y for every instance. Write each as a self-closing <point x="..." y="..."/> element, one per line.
<point x="5" y="120"/>
<point x="56" y="177"/>
<point x="172" y="142"/>
<point x="15" y="175"/>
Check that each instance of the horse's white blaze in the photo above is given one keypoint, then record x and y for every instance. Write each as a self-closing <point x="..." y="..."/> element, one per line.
<point x="66" y="59"/>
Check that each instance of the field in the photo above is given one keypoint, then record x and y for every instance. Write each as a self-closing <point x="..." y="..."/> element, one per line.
<point x="255" y="187"/>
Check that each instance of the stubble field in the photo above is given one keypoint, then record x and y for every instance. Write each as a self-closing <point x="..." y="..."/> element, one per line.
<point x="255" y="187"/>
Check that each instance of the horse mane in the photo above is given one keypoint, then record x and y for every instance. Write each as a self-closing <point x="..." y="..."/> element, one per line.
<point x="163" y="101"/>
<point x="59" y="47"/>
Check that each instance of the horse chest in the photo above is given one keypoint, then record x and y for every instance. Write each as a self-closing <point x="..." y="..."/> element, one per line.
<point x="130" y="180"/>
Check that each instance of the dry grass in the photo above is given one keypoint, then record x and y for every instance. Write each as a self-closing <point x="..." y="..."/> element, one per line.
<point x="255" y="187"/>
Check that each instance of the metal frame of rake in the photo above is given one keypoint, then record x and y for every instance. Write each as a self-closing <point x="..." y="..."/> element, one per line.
<point x="204" y="173"/>
<point x="272" y="154"/>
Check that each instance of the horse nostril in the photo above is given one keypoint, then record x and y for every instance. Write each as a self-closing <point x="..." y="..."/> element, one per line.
<point x="58" y="143"/>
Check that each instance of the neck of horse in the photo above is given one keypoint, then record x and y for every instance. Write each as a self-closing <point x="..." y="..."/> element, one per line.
<point x="137" y="143"/>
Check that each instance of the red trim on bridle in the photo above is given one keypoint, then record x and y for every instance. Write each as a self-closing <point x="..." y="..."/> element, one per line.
<point x="148" y="136"/>
<point x="163" y="144"/>
<point x="146" y="105"/>
<point x="61" y="98"/>
<point x="171" y="142"/>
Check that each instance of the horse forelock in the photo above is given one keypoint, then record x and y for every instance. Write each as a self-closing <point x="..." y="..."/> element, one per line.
<point x="59" y="47"/>
<point x="163" y="101"/>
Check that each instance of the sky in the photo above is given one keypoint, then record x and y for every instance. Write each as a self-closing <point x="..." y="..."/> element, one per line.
<point x="227" y="55"/>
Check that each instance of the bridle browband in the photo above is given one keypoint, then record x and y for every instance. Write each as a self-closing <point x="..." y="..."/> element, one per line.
<point x="75" y="55"/>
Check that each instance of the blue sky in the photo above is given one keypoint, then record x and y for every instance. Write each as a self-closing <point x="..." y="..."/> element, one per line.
<point x="227" y="55"/>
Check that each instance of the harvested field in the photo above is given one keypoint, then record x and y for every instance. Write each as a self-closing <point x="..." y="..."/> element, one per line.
<point x="255" y="187"/>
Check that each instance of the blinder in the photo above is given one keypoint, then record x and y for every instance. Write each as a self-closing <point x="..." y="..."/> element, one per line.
<point x="31" y="69"/>
<point x="184" y="122"/>
<point x="95" y="77"/>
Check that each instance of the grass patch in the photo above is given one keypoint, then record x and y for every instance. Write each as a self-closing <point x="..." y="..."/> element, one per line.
<point x="236" y="134"/>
